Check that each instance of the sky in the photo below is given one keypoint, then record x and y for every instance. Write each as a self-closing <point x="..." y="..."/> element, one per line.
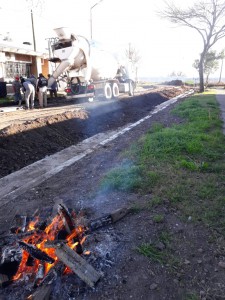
<point x="163" y="48"/>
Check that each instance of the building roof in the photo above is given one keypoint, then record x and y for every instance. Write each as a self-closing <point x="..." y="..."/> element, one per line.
<point x="15" y="49"/>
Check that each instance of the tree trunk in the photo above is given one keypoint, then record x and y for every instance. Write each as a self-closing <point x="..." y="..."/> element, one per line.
<point x="201" y="76"/>
<point x="221" y="70"/>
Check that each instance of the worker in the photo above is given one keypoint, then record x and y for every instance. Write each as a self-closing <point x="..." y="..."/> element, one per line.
<point x="29" y="91"/>
<point x="16" y="88"/>
<point x="42" y="90"/>
<point x="53" y="88"/>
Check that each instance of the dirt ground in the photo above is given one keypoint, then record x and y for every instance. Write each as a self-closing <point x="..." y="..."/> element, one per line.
<point x="195" y="268"/>
<point x="28" y="136"/>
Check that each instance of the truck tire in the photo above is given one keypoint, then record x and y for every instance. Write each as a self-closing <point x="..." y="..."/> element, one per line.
<point x="131" y="88"/>
<point x="115" y="90"/>
<point x="107" y="91"/>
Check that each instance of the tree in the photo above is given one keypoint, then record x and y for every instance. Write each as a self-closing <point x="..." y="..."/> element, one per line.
<point x="36" y="5"/>
<point x="211" y="63"/>
<point x="133" y="56"/>
<point x="207" y="17"/>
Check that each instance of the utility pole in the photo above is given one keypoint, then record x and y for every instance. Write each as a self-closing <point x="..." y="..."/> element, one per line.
<point x="33" y="32"/>
<point x="91" y="29"/>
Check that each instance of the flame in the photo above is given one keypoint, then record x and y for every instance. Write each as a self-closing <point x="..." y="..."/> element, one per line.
<point x="39" y="239"/>
<point x="32" y="224"/>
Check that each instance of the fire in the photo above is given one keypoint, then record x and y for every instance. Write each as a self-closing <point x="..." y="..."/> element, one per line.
<point x="37" y="241"/>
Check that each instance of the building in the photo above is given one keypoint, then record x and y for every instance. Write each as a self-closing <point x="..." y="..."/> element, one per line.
<point x="20" y="61"/>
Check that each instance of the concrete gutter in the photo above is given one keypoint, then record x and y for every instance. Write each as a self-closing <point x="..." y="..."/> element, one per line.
<point x="19" y="182"/>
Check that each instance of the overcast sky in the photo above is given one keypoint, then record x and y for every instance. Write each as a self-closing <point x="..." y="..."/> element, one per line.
<point x="163" y="48"/>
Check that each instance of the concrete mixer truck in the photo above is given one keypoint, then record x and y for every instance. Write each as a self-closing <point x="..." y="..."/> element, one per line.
<point x="90" y="71"/>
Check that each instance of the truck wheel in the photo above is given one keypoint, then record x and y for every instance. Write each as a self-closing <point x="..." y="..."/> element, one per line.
<point x="115" y="90"/>
<point x="131" y="88"/>
<point x="107" y="91"/>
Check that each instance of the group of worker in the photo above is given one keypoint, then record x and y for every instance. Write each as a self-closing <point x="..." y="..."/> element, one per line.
<point x="32" y="87"/>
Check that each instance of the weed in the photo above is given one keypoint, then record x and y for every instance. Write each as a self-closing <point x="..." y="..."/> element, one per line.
<point x="165" y="237"/>
<point x="151" y="252"/>
<point x="155" y="201"/>
<point x="158" y="218"/>
<point x="124" y="178"/>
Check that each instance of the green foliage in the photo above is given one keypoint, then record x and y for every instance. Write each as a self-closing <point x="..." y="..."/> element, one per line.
<point x="183" y="164"/>
<point x="165" y="237"/>
<point x="155" y="201"/>
<point x="125" y="178"/>
<point x="151" y="252"/>
<point x="193" y="165"/>
<point x="6" y="100"/>
<point x="192" y="296"/>
<point x="158" y="218"/>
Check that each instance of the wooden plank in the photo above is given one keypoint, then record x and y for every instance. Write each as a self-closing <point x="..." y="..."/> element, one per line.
<point x="42" y="293"/>
<point x="76" y="263"/>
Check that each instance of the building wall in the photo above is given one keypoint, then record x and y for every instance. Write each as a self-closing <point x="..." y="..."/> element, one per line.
<point x="45" y="67"/>
<point x="12" y="64"/>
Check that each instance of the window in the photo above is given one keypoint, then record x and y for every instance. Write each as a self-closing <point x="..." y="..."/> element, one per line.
<point x="13" y="68"/>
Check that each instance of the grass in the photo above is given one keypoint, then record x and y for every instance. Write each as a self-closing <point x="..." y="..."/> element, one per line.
<point x="151" y="252"/>
<point x="158" y="218"/>
<point x="5" y="100"/>
<point x="183" y="164"/>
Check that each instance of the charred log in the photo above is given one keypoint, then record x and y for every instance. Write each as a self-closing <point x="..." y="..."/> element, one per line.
<point x="39" y="275"/>
<point x="20" y="223"/>
<point x="55" y="272"/>
<point x="108" y="219"/>
<point x="76" y="263"/>
<point x="69" y="226"/>
<point x="66" y="217"/>
<point x="36" y="253"/>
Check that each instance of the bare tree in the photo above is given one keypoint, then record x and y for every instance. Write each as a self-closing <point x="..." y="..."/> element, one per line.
<point x="207" y="17"/>
<point x="133" y="56"/>
<point x="36" y="5"/>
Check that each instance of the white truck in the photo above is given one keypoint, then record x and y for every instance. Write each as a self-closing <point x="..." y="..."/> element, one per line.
<point x="90" y="71"/>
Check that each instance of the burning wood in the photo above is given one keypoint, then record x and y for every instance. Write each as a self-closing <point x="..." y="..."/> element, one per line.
<point x="76" y="263"/>
<point x="69" y="226"/>
<point x="66" y="217"/>
<point x="45" y="286"/>
<point x="40" y="274"/>
<point x="36" y="253"/>
<point x="12" y="238"/>
<point x="20" y="223"/>
<point x="46" y="251"/>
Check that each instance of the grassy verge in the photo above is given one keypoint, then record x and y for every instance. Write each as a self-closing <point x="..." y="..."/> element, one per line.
<point x="5" y="101"/>
<point x="183" y="164"/>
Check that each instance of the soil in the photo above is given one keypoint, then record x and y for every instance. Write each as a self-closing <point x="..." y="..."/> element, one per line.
<point x="196" y="265"/>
